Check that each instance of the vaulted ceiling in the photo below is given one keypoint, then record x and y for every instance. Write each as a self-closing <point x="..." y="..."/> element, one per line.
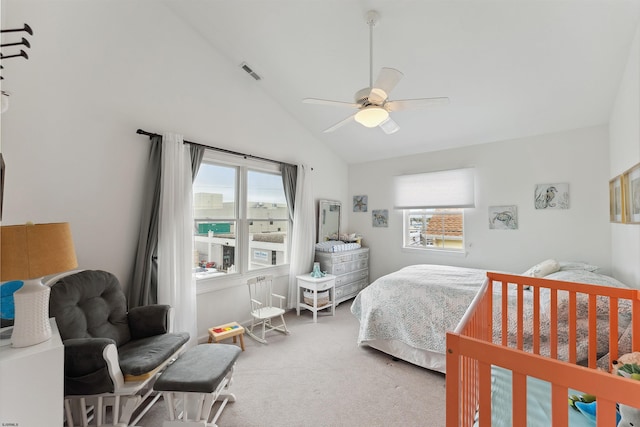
<point x="510" y="68"/>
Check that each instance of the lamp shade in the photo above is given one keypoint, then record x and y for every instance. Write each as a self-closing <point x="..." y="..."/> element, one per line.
<point x="371" y="116"/>
<point x="35" y="250"/>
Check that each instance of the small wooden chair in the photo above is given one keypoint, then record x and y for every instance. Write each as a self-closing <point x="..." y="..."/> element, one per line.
<point x="263" y="309"/>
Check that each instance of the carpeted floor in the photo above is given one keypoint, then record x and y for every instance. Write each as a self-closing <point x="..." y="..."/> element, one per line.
<point x="318" y="376"/>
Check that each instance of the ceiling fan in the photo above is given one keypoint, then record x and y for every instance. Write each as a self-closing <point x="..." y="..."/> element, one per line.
<point x="373" y="102"/>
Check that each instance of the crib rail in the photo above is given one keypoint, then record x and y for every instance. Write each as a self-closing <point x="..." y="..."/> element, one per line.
<point x="497" y="330"/>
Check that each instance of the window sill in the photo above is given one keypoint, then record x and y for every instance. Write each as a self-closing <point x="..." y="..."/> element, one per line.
<point x="447" y="252"/>
<point x="232" y="280"/>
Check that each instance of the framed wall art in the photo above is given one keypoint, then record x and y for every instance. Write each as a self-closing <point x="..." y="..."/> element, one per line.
<point x="503" y="217"/>
<point x="360" y="203"/>
<point x="615" y="199"/>
<point x="380" y="217"/>
<point x="551" y="196"/>
<point x="631" y="195"/>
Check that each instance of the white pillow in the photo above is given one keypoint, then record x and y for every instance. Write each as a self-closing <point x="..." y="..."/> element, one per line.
<point x="576" y="265"/>
<point x="543" y="268"/>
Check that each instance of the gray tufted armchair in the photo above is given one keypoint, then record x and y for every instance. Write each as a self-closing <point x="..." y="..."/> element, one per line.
<point x="109" y="352"/>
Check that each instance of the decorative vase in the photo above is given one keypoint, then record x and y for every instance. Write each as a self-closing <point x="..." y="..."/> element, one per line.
<point x="316" y="270"/>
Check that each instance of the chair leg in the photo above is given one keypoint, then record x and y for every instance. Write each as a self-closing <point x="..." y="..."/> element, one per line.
<point x="83" y="414"/>
<point x="267" y="325"/>
<point x="253" y="335"/>
<point x="67" y="412"/>
<point x="284" y="325"/>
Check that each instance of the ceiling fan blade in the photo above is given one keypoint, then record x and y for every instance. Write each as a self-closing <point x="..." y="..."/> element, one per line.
<point x="406" y="104"/>
<point x="387" y="80"/>
<point x="340" y="124"/>
<point x="389" y="126"/>
<point x="329" y="102"/>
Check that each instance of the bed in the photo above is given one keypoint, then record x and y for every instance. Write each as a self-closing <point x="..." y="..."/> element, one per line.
<point x="408" y="313"/>
<point x="505" y="373"/>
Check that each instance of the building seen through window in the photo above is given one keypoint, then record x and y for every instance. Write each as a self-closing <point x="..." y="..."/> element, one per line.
<point x="241" y="219"/>
<point x="434" y="229"/>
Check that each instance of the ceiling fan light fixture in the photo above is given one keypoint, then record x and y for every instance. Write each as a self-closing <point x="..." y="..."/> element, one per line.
<point x="371" y="116"/>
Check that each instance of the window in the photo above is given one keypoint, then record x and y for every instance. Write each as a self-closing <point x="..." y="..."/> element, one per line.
<point x="432" y="203"/>
<point x="434" y="229"/>
<point x="241" y="216"/>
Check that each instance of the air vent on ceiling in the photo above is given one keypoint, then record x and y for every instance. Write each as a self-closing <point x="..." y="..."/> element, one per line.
<point x="249" y="71"/>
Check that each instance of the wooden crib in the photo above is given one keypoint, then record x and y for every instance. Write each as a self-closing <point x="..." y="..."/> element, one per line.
<point x="479" y="345"/>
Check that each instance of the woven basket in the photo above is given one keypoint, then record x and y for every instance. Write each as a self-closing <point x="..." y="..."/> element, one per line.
<point x="323" y="298"/>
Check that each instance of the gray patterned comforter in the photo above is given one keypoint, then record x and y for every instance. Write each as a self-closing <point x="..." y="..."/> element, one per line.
<point x="418" y="304"/>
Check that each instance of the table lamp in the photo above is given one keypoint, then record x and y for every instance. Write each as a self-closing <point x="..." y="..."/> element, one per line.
<point x="28" y="253"/>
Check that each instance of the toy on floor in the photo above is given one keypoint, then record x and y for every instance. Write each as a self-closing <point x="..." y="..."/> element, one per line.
<point x="228" y="328"/>
<point x="628" y="366"/>
<point x="586" y="405"/>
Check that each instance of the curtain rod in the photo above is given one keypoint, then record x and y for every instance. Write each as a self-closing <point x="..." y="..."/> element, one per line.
<point x="223" y="150"/>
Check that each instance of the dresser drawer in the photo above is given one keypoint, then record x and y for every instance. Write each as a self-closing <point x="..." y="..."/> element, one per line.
<point x="336" y="257"/>
<point x="362" y="255"/>
<point x="350" y="290"/>
<point x="345" y="291"/>
<point x="344" y="267"/>
<point x="361" y="284"/>
<point x="351" y="277"/>
<point x="340" y="257"/>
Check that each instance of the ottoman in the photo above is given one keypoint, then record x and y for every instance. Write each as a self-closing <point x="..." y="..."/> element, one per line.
<point x="194" y="382"/>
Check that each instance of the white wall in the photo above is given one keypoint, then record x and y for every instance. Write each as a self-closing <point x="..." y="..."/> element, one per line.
<point x="625" y="152"/>
<point x="98" y="71"/>
<point x="506" y="174"/>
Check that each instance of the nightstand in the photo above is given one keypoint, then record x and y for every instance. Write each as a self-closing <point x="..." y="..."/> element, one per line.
<point x="315" y="285"/>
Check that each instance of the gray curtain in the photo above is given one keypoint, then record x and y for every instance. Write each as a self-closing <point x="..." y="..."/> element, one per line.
<point x="197" y="153"/>
<point x="143" y="290"/>
<point x="289" y="179"/>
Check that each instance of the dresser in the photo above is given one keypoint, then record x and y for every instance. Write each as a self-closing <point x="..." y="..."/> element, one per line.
<point x="351" y="269"/>
<point x="32" y="382"/>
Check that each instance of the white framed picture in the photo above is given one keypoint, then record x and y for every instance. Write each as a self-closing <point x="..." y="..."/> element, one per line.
<point x="631" y="199"/>
<point x="615" y="199"/>
<point x="503" y="217"/>
<point x="551" y="196"/>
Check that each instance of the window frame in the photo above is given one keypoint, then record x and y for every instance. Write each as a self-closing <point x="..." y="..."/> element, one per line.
<point x="242" y="257"/>
<point x="406" y="231"/>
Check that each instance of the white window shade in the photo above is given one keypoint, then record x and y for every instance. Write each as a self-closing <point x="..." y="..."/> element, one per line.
<point x="443" y="189"/>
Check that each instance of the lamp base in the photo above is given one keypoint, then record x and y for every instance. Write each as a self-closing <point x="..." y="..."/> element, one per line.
<point x="31" y="325"/>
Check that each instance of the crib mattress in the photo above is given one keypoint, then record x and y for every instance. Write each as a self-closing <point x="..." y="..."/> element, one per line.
<point x="538" y="402"/>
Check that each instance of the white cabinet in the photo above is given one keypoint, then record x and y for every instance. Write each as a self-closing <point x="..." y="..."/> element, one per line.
<point x="351" y="269"/>
<point x="32" y="383"/>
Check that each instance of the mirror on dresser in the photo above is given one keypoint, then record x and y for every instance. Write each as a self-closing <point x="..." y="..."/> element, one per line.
<point x="328" y="220"/>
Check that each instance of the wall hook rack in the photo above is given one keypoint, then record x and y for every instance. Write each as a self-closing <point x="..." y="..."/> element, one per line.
<point x="24" y="42"/>
<point x="4" y="95"/>
<point x="26" y="28"/>
<point x="22" y="53"/>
